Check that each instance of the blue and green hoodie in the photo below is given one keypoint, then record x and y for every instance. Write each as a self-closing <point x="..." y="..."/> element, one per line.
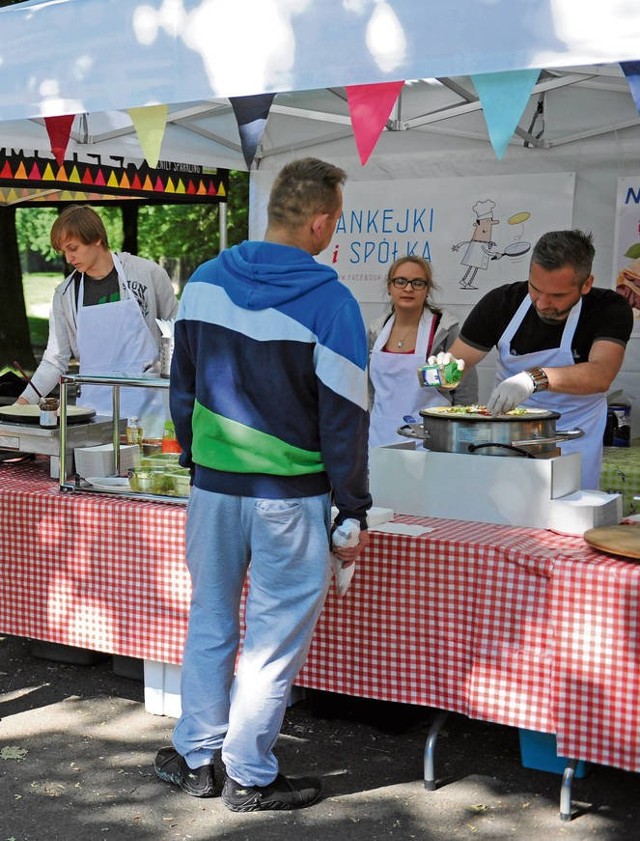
<point x="268" y="385"/>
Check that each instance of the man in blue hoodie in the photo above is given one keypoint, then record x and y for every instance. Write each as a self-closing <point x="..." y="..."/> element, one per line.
<point x="269" y="399"/>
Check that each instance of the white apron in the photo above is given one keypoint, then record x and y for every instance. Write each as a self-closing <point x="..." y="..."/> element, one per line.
<point x="586" y="411"/>
<point x="394" y="377"/>
<point x="115" y="340"/>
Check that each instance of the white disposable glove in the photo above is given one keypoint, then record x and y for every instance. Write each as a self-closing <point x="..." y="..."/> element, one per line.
<point x="510" y="393"/>
<point x="347" y="534"/>
<point x="444" y="358"/>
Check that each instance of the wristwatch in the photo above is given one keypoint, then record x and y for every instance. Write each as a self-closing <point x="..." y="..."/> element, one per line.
<point x="539" y="379"/>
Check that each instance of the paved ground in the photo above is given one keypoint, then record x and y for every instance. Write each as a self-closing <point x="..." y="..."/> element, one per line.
<point x="76" y="748"/>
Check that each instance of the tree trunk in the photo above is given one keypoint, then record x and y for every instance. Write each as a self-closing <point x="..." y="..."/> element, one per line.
<point x="130" y="227"/>
<point x="15" y="341"/>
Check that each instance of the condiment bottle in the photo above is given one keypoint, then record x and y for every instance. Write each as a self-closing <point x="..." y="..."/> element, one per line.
<point x="135" y="433"/>
<point x="169" y="441"/>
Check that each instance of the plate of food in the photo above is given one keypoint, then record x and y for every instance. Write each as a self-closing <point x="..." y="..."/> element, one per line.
<point x="476" y="410"/>
<point x="109" y="484"/>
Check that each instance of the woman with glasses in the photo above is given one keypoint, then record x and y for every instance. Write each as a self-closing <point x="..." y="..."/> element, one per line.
<point x="401" y="341"/>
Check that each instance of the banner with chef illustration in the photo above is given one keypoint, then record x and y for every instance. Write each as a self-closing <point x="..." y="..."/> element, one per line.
<point x="626" y="249"/>
<point x="477" y="232"/>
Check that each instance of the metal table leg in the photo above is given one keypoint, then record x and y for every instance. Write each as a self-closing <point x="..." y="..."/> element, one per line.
<point x="430" y="750"/>
<point x="565" y="789"/>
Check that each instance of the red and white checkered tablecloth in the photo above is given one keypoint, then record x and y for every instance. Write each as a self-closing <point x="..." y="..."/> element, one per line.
<point x="517" y="626"/>
<point x="91" y="570"/>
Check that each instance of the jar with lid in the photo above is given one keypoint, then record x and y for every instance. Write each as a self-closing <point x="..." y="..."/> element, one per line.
<point x="135" y="433"/>
<point x="49" y="412"/>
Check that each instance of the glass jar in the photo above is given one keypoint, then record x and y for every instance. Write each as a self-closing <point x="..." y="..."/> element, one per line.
<point x="49" y="412"/>
<point x="135" y="433"/>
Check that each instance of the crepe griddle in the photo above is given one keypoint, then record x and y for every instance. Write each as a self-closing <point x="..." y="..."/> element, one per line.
<point x="31" y="414"/>
<point x="621" y="540"/>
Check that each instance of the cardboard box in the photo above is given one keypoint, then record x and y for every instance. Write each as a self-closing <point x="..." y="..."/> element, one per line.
<point x="539" y="751"/>
<point x="99" y="461"/>
<point x="583" y="510"/>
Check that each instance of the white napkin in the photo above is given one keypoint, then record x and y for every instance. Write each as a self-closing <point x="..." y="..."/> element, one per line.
<point x="345" y="535"/>
<point x="166" y="326"/>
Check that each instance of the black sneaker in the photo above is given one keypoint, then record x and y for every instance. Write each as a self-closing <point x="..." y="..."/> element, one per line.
<point x="171" y="768"/>
<point x="282" y="793"/>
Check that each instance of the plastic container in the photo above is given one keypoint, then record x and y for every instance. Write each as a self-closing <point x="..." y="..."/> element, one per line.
<point x="440" y="376"/>
<point x="169" y="440"/>
<point x="539" y="751"/>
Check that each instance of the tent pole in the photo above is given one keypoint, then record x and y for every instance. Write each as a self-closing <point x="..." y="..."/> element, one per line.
<point x="222" y="224"/>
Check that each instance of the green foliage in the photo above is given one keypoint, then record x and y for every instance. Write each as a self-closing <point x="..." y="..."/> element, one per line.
<point x="188" y="233"/>
<point x="33" y="226"/>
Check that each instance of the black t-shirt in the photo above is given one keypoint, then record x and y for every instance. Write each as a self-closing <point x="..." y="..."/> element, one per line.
<point x="605" y="315"/>
<point x="104" y="290"/>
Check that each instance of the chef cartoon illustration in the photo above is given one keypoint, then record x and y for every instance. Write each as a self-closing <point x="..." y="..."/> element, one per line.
<point x="480" y="247"/>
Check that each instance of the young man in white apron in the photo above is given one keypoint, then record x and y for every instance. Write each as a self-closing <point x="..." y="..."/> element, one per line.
<point x="104" y="314"/>
<point x="560" y="342"/>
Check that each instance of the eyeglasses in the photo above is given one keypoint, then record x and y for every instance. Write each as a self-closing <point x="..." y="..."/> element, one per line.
<point x="401" y="282"/>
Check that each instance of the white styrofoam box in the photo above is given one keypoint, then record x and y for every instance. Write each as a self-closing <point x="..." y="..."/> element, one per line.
<point x="162" y="688"/>
<point x="582" y="510"/>
<point x="489" y="489"/>
<point x="99" y="461"/>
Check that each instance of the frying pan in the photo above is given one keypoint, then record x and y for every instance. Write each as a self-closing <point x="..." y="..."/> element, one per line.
<point x="514" y="249"/>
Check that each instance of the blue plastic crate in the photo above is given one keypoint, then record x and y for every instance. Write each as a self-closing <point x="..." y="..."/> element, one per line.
<point x="539" y="751"/>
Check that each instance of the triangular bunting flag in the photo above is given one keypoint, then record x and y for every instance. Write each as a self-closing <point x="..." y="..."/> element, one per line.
<point x="369" y="107"/>
<point x="504" y="97"/>
<point x="631" y="70"/>
<point x="150" y="124"/>
<point x="251" y="115"/>
<point x="59" y="131"/>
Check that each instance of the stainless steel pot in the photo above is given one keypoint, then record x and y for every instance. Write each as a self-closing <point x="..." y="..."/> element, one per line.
<point x="532" y="435"/>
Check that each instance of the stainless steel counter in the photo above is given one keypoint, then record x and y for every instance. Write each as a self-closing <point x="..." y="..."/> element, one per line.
<point x="33" y="438"/>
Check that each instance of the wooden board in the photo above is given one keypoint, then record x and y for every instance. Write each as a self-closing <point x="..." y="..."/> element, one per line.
<point x="617" y="540"/>
<point x="31" y="414"/>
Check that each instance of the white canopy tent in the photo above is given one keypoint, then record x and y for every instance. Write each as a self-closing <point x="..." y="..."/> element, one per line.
<point x="97" y="58"/>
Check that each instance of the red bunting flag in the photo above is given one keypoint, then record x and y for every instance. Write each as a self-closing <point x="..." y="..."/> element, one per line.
<point x="59" y="131"/>
<point x="370" y="107"/>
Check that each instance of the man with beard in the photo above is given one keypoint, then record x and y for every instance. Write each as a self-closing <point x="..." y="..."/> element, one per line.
<point x="560" y="342"/>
